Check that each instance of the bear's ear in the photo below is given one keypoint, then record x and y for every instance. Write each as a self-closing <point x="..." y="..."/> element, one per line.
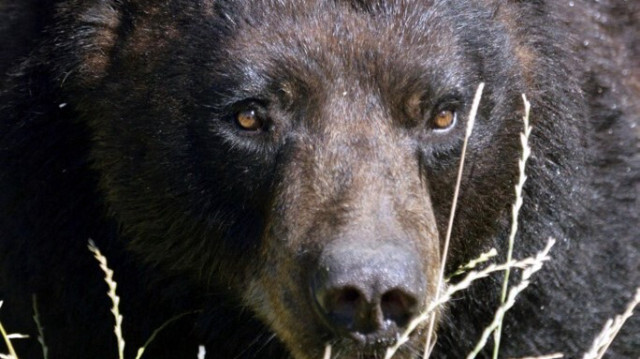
<point x="92" y="29"/>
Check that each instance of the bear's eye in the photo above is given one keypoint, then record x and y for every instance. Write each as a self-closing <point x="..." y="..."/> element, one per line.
<point x="249" y="120"/>
<point x="443" y="120"/>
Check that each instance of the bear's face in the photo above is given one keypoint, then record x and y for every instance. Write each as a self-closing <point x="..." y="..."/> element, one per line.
<point x="302" y="155"/>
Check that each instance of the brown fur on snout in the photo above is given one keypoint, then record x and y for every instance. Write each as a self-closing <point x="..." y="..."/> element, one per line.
<point x="351" y="176"/>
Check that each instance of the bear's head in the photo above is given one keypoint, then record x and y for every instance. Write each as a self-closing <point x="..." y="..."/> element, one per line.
<point x="302" y="155"/>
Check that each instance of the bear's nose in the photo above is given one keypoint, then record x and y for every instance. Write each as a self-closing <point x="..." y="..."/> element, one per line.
<point x="368" y="291"/>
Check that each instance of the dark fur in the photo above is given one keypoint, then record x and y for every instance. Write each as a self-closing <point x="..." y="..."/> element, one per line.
<point x="117" y="127"/>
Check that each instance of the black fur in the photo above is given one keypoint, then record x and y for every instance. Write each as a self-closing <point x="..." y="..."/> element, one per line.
<point x="117" y="126"/>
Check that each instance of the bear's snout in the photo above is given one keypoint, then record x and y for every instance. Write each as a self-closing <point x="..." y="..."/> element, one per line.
<point x="368" y="292"/>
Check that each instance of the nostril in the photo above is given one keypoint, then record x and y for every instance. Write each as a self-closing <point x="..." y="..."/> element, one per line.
<point x="344" y="301"/>
<point x="347" y="297"/>
<point x="398" y="307"/>
<point x="342" y="305"/>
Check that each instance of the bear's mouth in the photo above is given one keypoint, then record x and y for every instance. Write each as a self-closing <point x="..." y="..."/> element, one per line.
<point x="368" y="348"/>
<point x="350" y="351"/>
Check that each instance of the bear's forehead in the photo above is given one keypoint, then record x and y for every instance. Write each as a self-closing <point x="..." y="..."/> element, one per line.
<point x="341" y="45"/>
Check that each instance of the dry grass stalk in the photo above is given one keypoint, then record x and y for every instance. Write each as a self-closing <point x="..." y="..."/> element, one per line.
<point x="327" y="352"/>
<point x="7" y="339"/>
<point x="116" y="311"/>
<point x="515" y="211"/>
<point x="112" y="295"/>
<point x="464" y="284"/>
<point x="445" y="251"/>
<point x="155" y="333"/>
<point x="611" y="329"/>
<point x="36" y="318"/>
<point x="511" y="299"/>
<point x="484" y="257"/>
<point x="202" y="352"/>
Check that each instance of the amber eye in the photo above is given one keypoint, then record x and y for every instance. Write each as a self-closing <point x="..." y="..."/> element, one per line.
<point x="444" y="119"/>
<point x="249" y="120"/>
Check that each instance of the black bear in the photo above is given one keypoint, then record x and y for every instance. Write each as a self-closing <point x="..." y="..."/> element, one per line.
<point x="269" y="177"/>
